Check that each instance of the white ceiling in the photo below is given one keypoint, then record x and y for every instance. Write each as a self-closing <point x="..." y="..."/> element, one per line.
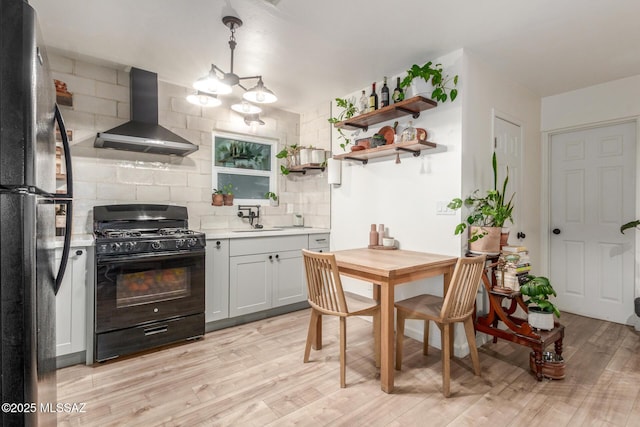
<point x="310" y="51"/>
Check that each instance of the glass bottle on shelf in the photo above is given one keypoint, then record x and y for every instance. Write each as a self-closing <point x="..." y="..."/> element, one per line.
<point x="384" y="93"/>
<point x="398" y="94"/>
<point x="373" y="98"/>
<point x="364" y="103"/>
<point x="409" y="133"/>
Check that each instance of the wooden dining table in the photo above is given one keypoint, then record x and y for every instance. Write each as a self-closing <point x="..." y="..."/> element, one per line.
<point x="388" y="268"/>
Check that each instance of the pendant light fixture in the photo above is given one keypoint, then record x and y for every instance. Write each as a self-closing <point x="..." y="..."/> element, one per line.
<point x="204" y="99"/>
<point x="218" y="82"/>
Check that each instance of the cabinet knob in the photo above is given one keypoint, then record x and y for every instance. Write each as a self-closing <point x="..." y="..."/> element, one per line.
<point x="218" y="243"/>
<point x="270" y="256"/>
<point x="277" y="256"/>
<point x="79" y="252"/>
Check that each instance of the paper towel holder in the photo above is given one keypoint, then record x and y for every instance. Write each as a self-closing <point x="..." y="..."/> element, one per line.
<point x="334" y="171"/>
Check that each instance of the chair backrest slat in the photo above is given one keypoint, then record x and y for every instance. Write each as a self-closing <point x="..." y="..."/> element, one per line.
<point x="323" y="283"/>
<point x="463" y="288"/>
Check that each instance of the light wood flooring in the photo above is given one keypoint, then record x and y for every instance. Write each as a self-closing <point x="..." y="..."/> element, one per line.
<point x="253" y="375"/>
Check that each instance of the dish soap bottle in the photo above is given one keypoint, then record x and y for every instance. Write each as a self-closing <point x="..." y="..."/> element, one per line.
<point x="373" y="236"/>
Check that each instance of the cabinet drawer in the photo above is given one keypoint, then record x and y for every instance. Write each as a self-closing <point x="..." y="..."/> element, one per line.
<point x="318" y="241"/>
<point x="260" y="245"/>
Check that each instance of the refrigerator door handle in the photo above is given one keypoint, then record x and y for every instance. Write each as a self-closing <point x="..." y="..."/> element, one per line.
<point x="66" y="248"/>
<point x="67" y="156"/>
<point x="65" y="199"/>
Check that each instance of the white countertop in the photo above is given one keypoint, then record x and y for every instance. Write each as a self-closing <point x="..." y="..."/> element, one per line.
<point x="77" y="240"/>
<point x="225" y="233"/>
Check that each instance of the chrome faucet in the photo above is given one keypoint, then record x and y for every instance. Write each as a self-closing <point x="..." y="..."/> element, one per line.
<point x="251" y="214"/>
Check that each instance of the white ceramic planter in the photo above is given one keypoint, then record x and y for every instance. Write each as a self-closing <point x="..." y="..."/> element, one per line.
<point x="305" y="156"/>
<point x="540" y="319"/>
<point x="317" y="156"/>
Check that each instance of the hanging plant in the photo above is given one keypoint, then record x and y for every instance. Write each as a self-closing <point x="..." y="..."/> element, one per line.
<point x="442" y="89"/>
<point x="349" y="110"/>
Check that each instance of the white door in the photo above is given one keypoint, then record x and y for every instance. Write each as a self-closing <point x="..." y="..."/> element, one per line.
<point x="592" y="194"/>
<point x="508" y="148"/>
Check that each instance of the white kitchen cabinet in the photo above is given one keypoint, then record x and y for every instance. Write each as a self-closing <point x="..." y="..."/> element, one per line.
<point x="71" y="304"/>
<point x="265" y="273"/>
<point x="217" y="280"/>
<point x="319" y="242"/>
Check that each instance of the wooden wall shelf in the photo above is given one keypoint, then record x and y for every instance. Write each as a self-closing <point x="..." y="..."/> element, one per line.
<point x="414" y="147"/>
<point x="307" y="167"/>
<point x="412" y="106"/>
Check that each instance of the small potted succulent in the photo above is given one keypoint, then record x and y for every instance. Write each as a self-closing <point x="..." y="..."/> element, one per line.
<point x="217" y="198"/>
<point x="541" y="310"/>
<point x="227" y="192"/>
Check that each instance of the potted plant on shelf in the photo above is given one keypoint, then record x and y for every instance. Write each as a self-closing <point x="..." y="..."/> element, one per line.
<point x="434" y="74"/>
<point x="227" y="191"/>
<point x="273" y="198"/>
<point x="541" y="310"/>
<point x="349" y="110"/>
<point x="217" y="198"/>
<point x="488" y="215"/>
<point x="291" y="153"/>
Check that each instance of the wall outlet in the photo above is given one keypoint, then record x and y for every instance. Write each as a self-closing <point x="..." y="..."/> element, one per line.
<point x="442" y="209"/>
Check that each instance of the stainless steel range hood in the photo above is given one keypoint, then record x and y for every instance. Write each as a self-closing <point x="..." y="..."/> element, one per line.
<point x="143" y="133"/>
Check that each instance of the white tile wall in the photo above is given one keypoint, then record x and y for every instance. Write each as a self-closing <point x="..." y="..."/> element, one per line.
<point x="101" y="102"/>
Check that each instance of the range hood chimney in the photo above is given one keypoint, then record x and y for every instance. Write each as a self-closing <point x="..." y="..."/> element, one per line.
<point x="143" y="133"/>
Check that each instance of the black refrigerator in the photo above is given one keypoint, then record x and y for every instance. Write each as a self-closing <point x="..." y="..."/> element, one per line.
<point x="29" y="276"/>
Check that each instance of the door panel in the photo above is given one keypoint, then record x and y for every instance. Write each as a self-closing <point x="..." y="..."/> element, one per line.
<point x="592" y="195"/>
<point x="508" y="147"/>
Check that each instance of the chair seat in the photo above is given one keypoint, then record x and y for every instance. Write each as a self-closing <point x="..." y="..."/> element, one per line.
<point x="359" y="304"/>
<point x="421" y="306"/>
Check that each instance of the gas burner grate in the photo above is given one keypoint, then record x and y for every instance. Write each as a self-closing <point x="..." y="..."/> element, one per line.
<point x="172" y="231"/>
<point x="112" y="234"/>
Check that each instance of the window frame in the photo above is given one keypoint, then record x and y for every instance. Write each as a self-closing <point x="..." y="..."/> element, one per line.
<point x="271" y="174"/>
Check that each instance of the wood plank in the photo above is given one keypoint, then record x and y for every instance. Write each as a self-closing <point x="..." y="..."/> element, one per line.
<point x="253" y="375"/>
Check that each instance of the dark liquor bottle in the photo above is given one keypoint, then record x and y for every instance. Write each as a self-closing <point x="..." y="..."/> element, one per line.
<point x="373" y="98"/>
<point x="384" y="93"/>
<point x="398" y="95"/>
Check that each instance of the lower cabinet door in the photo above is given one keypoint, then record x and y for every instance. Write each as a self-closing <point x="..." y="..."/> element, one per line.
<point x="250" y="283"/>
<point x="217" y="280"/>
<point x="289" y="283"/>
<point x="71" y="304"/>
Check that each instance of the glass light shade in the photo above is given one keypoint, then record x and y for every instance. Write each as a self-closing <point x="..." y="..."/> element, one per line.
<point x="260" y="94"/>
<point x="252" y="119"/>
<point x="204" y="99"/>
<point x="246" y="108"/>
<point x="212" y="84"/>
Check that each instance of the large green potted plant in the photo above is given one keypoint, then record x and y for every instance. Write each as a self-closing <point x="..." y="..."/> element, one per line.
<point x="538" y="289"/>
<point x="444" y="87"/>
<point x="488" y="214"/>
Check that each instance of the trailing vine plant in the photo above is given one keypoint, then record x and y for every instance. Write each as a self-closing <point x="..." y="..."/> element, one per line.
<point x="349" y="110"/>
<point x="444" y="86"/>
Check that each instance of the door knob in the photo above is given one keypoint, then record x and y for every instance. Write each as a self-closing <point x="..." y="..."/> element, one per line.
<point x="521" y="235"/>
<point x="556" y="231"/>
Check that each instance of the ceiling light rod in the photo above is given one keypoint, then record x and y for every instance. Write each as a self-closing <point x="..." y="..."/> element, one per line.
<point x="214" y="85"/>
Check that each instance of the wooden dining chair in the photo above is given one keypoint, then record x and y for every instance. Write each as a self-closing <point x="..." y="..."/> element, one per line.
<point x="327" y="297"/>
<point x="457" y="305"/>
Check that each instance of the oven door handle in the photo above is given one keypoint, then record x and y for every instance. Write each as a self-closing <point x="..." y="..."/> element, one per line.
<point x="109" y="259"/>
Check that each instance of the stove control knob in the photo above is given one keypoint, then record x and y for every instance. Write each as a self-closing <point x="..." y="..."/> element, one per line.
<point x="115" y="247"/>
<point x="155" y="244"/>
<point x="129" y="246"/>
<point x="192" y="242"/>
<point x="179" y="243"/>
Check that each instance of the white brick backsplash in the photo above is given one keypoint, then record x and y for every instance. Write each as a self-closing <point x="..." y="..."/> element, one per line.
<point x="165" y="177"/>
<point x="134" y="175"/>
<point x="199" y="181"/>
<point x="107" y="191"/>
<point x="91" y="104"/>
<point x="77" y="85"/>
<point x="152" y="193"/>
<point x="112" y="91"/>
<point x="96" y="72"/>
<point x="114" y="176"/>
<point x="185" y="194"/>
<point x="170" y="119"/>
<point x="60" y="64"/>
<point x="198" y="123"/>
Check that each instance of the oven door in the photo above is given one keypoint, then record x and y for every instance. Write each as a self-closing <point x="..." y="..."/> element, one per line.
<point x="137" y="289"/>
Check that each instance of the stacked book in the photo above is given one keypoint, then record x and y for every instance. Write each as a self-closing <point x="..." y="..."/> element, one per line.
<point x="514" y="269"/>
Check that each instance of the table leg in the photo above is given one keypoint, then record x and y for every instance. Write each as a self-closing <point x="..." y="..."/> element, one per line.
<point x="317" y="344"/>
<point x="386" y="332"/>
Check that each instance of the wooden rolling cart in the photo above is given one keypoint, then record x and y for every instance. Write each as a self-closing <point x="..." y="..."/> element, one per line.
<point x="518" y="330"/>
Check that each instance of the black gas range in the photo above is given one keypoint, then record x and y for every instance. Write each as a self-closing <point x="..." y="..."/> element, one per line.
<point x="149" y="287"/>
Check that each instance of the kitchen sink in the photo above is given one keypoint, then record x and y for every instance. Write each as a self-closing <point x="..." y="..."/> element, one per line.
<point x="252" y="230"/>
